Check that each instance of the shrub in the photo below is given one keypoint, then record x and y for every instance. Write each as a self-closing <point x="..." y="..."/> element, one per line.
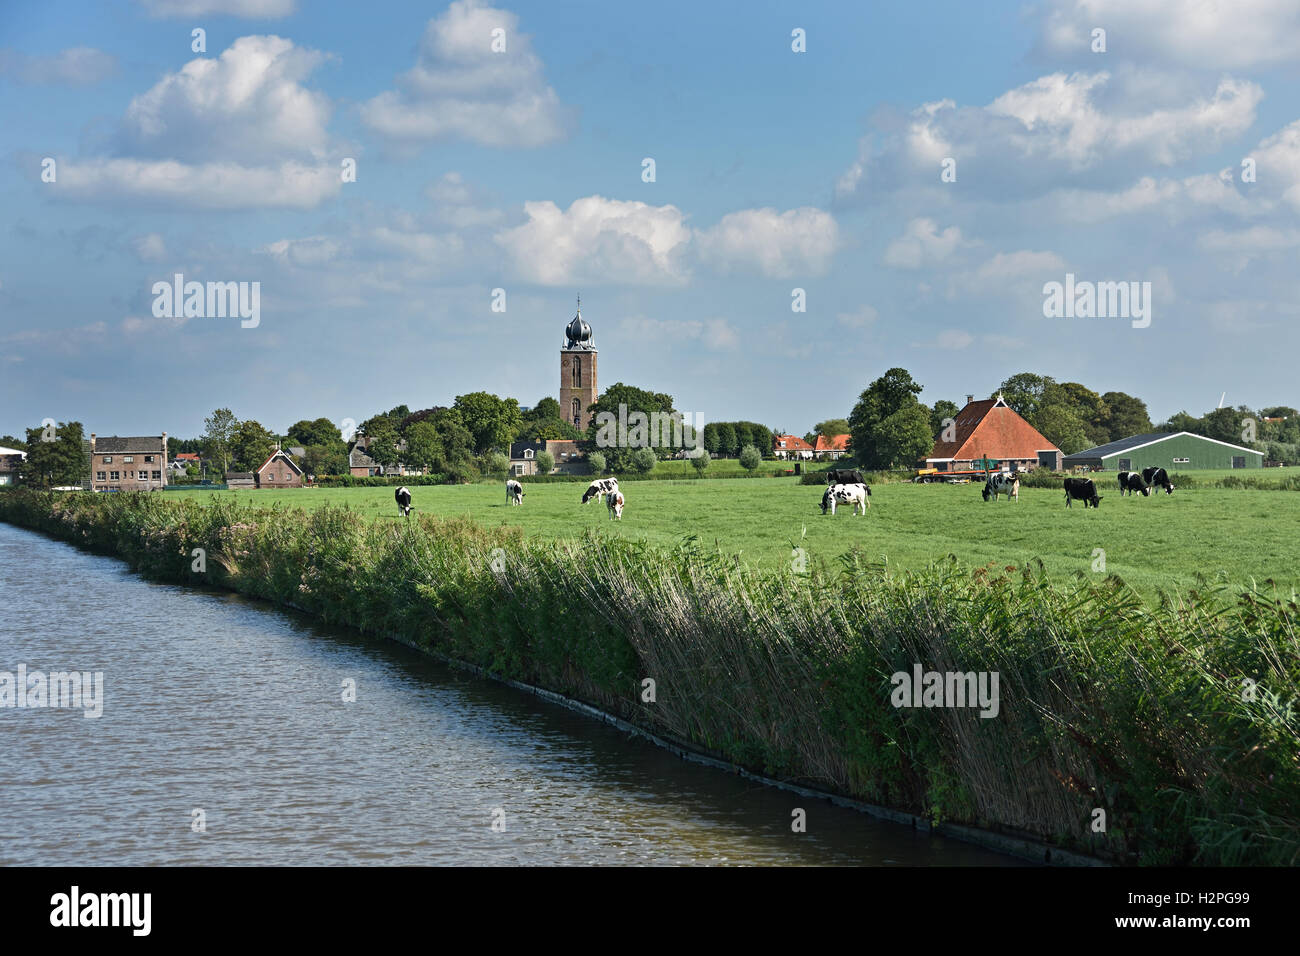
<point x="545" y="462"/>
<point x="700" y="461"/>
<point x="597" y="462"/>
<point x="750" y="458"/>
<point x="643" y="461"/>
<point x="494" y="464"/>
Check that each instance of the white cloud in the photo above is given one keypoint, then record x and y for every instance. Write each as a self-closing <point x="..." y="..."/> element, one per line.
<point x="1014" y="265"/>
<point x="307" y="252"/>
<point x="289" y="185"/>
<point x="460" y="89"/>
<point x="1240" y="246"/>
<point x="77" y="66"/>
<point x="458" y="205"/>
<point x="859" y="318"/>
<point x="248" y="9"/>
<point x="716" y="334"/>
<point x="954" y="339"/>
<point x="150" y="247"/>
<point x="247" y="106"/>
<point x="598" y="240"/>
<point x="922" y="243"/>
<point x="777" y="244"/>
<point x="1201" y="34"/>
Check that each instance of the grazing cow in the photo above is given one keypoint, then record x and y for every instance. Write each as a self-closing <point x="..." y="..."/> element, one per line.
<point x="1082" y="489"/>
<point x="514" y="492"/>
<point x="1158" y="478"/>
<point x="403" y="500"/>
<point x="856" y="494"/>
<point x="845" y="476"/>
<point x="1004" y="482"/>
<point x="599" y="487"/>
<point x="1130" y="483"/>
<point x="614" y="501"/>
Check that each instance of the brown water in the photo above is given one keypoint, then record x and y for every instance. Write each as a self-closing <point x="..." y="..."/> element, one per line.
<point x="215" y="702"/>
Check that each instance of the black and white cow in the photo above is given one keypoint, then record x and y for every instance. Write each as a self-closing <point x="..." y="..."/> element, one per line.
<point x="614" y="502"/>
<point x="1158" y="478"/>
<point x="845" y="476"/>
<point x="1130" y="483"/>
<point x="1004" y="482"/>
<point x="514" y="492"/>
<point x="1082" y="489"/>
<point x="403" y="497"/>
<point x="599" y="487"/>
<point x="857" y="494"/>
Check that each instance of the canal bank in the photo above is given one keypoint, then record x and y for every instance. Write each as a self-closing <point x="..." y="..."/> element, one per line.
<point x="754" y="668"/>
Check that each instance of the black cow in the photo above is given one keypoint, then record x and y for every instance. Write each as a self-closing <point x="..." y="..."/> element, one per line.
<point x="403" y="500"/>
<point x="1082" y="489"/>
<point x="1158" y="478"/>
<point x="1130" y="482"/>
<point x="845" y="476"/>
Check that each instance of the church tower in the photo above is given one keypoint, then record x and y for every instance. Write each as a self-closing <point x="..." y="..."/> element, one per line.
<point x="577" y="372"/>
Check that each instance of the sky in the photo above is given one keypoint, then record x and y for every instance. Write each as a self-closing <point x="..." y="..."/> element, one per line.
<point x="795" y="146"/>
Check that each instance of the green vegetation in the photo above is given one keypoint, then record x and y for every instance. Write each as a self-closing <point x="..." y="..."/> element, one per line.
<point x="1179" y="720"/>
<point x="1162" y="542"/>
<point x="55" y="456"/>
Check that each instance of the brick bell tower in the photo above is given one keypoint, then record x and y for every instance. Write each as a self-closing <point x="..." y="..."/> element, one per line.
<point x="577" y="372"/>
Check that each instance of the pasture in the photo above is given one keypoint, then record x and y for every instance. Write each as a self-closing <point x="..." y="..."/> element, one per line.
<point x="1161" y="542"/>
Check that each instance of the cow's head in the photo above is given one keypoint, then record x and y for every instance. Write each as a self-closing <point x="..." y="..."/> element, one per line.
<point x="1146" y="491"/>
<point x="1096" y="500"/>
<point x="987" y="491"/>
<point x="826" y="500"/>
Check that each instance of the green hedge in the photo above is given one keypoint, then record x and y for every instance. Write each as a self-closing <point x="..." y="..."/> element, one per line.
<point x="376" y="481"/>
<point x="1179" y="721"/>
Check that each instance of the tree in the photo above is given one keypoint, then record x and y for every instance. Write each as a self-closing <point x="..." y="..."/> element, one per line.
<point x="642" y="461"/>
<point x="9" y="441"/>
<point x="1023" y="393"/>
<point x="320" y="431"/>
<point x="888" y="425"/>
<point x="495" y="464"/>
<point x="727" y="444"/>
<point x="56" y="463"/>
<point x="544" y="422"/>
<point x="628" y="399"/>
<point x="494" y="422"/>
<point x="325" y="459"/>
<point x="943" y="409"/>
<point x="700" y="461"/>
<point x="250" y="445"/>
<point x="1062" y="428"/>
<point x="831" y="427"/>
<point x="597" y="462"/>
<point x="545" y="462"/>
<point x="423" y="445"/>
<point x="1224" y="424"/>
<point x="457" y="444"/>
<point x="750" y="458"/>
<point x="1125" y="415"/>
<point x="1179" y="422"/>
<point x="218" y="433"/>
<point x="381" y="440"/>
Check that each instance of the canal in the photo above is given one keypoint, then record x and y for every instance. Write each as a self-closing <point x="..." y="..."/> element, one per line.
<point x="225" y="738"/>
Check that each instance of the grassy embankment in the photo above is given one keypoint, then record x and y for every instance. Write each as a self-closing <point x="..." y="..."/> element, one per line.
<point x="1107" y="702"/>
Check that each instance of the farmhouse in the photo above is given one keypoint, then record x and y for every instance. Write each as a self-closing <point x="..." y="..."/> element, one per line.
<point x="834" y="448"/>
<point x="278" y="471"/>
<point x="1173" y="451"/>
<point x="791" y="446"/>
<point x="11" y="460"/>
<point x="128" y="464"/>
<point x="523" y="455"/>
<point x="991" y="429"/>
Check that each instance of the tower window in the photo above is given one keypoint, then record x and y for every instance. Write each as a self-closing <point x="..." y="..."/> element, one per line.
<point x="577" y="371"/>
<point x="577" y="413"/>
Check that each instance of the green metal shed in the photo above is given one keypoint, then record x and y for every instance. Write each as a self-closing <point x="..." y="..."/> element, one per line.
<point x="1174" y="451"/>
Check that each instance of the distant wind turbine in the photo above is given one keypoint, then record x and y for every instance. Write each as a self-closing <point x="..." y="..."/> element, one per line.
<point x="1221" y="398"/>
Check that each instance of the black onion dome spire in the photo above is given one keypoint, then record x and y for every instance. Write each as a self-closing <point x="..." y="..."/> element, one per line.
<point x="578" y="331"/>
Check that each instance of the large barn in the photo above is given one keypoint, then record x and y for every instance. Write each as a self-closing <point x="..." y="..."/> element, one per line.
<point x="1174" y="451"/>
<point x="991" y="429"/>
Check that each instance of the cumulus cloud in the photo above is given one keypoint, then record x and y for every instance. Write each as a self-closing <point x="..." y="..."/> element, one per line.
<point x="458" y="205"/>
<point x="1238" y="247"/>
<point x="1078" y="129"/>
<point x="598" y="240"/>
<point x="150" y="247"/>
<point x="716" y="334"/>
<point x="859" y="318"/>
<point x="776" y="244"/>
<point x="460" y="88"/>
<point x="922" y="244"/>
<point x="1203" y="34"/>
<point x="78" y="66"/>
<point x="248" y="9"/>
<point x="307" y="252"/>
<point x="206" y="185"/>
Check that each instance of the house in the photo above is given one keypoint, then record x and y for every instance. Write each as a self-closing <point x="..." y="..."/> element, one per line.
<point x="831" y="448"/>
<point x="1173" y="451"/>
<point x="278" y="471"/>
<point x="523" y="455"/>
<point x="791" y="446"/>
<point x="991" y="429"/>
<point x="361" y="465"/>
<point x="136" y="463"/>
<point x="11" y="461"/>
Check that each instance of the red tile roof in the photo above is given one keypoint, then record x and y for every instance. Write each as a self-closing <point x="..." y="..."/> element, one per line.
<point x="989" y="427"/>
<point x="791" y="443"/>
<point x="186" y="456"/>
<point x="837" y="443"/>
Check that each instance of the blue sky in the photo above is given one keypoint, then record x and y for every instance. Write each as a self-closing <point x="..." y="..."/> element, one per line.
<point x="522" y="170"/>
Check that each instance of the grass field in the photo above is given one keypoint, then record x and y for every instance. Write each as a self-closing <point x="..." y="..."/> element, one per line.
<point x="1161" y="542"/>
